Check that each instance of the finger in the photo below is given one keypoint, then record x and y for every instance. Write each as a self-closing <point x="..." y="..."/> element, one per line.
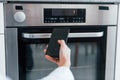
<point x="45" y="49"/>
<point x="61" y="42"/>
<point x="51" y="59"/>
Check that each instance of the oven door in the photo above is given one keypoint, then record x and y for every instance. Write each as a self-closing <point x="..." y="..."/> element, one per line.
<point x="92" y="52"/>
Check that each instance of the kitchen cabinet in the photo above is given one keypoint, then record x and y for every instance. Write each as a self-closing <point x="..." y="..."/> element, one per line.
<point x="2" y="56"/>
<point x="33" y="0"/>
<point x="2" y="44"/>
<point x="1" y="19"/>
<point x="92" y="0"/>
<point x="72" y="0"/>
<point x="117" y="73"/>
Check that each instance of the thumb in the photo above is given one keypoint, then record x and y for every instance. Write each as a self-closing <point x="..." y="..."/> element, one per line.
<point x="61" y="42"/>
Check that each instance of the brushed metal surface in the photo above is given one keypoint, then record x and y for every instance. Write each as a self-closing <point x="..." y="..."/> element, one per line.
<point x="34" y="14"/>
<point x="110" y="53"/>
<point x="11" y="53"/>
<point x="71" y="35"/>
<point x="1" y="0"/>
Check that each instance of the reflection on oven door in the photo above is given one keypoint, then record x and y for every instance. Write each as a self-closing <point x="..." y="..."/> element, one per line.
<point x="83" y="59"/>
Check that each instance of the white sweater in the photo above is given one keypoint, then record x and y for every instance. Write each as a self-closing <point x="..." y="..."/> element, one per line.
<point x="4" y="78"/>
<point x="60" y="73"/>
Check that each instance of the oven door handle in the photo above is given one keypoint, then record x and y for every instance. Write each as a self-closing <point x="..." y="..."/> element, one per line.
<point x="71" y="35"/>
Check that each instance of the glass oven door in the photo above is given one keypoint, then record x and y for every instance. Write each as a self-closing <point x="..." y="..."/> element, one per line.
<point x="88" y="46"/>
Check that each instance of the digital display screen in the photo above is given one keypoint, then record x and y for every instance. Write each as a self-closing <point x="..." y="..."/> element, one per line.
<point x="64" y="12"/>
<point x="64" y="15"/>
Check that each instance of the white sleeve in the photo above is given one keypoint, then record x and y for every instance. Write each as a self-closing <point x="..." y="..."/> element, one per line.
<point x="4" y="78"/>
<point x="60" y="73"/>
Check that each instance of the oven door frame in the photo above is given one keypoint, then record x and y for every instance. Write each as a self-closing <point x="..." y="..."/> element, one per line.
<point x="12" y="66"/>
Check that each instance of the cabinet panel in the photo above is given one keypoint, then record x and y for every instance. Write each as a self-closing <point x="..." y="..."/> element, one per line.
<point x="2" y="57"/>
<point x="117" y="73"/>
<point x="73" y="0"/>
<point x="1" y="19"/>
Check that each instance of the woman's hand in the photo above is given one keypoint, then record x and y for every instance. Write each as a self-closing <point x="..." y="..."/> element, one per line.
<point x="64" y="55"/>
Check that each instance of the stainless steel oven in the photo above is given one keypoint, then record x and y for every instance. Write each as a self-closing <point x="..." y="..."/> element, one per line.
<point x="92" y="38"/>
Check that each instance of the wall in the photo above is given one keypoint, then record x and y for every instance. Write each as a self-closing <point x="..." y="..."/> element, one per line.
<point x="2" y="45"/>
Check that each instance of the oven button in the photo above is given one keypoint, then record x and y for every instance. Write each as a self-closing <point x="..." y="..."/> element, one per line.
<point x="19" y="16"/>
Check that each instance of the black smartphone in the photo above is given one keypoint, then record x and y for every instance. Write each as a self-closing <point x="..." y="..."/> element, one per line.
<point x="53" y="46"/>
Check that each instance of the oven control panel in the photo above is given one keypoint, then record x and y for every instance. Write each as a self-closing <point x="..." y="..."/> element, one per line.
<point x="59" y="14"/>
<point x="64" y="15"/>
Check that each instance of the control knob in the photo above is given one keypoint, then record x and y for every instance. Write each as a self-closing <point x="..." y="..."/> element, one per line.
<point x="19" y="16"/>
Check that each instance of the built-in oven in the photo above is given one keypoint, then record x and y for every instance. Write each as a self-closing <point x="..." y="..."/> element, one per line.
<point x="92" y="39"/>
